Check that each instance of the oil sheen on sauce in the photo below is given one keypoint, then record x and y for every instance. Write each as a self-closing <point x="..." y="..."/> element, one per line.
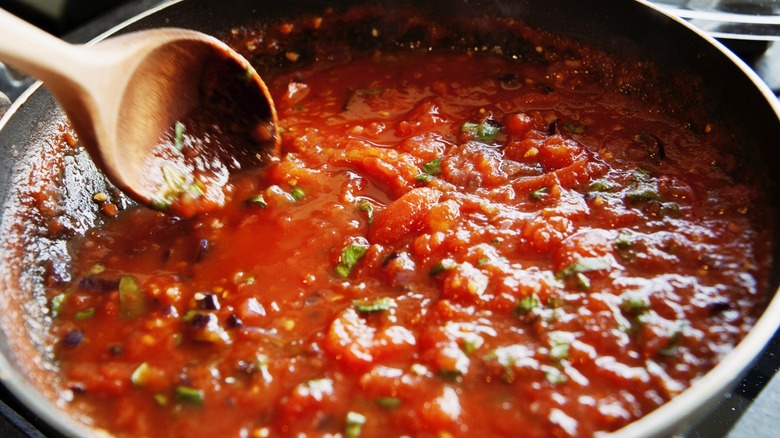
<point x="449" y="244"/>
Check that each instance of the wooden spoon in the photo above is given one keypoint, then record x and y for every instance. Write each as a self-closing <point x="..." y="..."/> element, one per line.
<point x="127" y="96"/>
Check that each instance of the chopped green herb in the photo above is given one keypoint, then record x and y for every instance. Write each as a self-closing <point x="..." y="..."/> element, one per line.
<point x="554" y="375"/>
<point x="378" y="305"/>
<point x="190" y="315"/>
<point x="583" y="282"/>
<point x="559" y="349"/>
<point x="189" y="395"/>
<point x="634" y="305"/>
<point x="174" y="186"/>
<point x="388" y="402"/>
<point x="262" y="367"/>
<point x="131" y="299"/>
<point x="471" y="342"/>
<point x="57" y="304"/>
<point x="671" y="209"/>
<point x="483" y="132"/>
<point x="247" y="75"/>
<point x="510" y="357"/>
<point x="354" y="424"/>
<point x="643" y="194"/>
<point x="161" y="399"/>
<point x="454" y="375"/>
<point x="575" y="128"/>
<point x="641" y="175"/>
<point x="178" y="135"/>
<point x="424" y="178"/>
<point x="85" y="314"/>
<point x="602" y="186"/>
<point x="350" y="256"/>
<point x="297" y="193"/>
<point x="583" y="265"/>
<point x="554" y="302"/>
<point x="444" y="265"/>
<point x="196" y="189"/>
<point x="432" y="167"/>
<point x="539" y="194"/>
<point x="258" y="200"/>
<point x="141" y="374"/>
<point x="624" y="241"/>
<point x="97" y="268"/>
<point x="644" y="187"/>
<point x="675" y="336"/>
<point x="527" y="304"/>
<point x="366" y="207"/>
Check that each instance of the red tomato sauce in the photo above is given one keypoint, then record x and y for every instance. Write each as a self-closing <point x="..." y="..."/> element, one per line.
<point x="450" y="244"/>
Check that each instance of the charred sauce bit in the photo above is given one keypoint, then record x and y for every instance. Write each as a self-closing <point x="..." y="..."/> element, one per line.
<point x="450" y="245"/>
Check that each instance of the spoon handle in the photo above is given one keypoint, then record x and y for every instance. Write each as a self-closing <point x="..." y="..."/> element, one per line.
<point x="36" y="52"/>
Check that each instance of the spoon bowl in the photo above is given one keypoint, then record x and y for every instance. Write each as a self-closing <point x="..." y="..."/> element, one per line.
<point x="127" y="97"/>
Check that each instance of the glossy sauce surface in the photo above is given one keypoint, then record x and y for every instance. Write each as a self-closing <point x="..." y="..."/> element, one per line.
<point x="449" y="245"/>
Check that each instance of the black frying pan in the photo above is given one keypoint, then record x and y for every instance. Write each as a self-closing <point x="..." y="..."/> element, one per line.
<point x="621" y="26"/>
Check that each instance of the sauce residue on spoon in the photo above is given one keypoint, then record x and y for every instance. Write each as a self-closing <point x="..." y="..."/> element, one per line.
<point x="232" y="128"/>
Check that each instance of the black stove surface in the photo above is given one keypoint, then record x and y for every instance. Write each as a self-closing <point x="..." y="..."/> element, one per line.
<point x="750" y="409"/>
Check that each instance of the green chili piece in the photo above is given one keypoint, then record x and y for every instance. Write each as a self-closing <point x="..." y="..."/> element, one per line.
<point x="258" y="200"/>
<point x="442" y="266"/>
<point x="178" y="135"/>
<point x="297" y="193"/>
<point x="84" y="314"/>
<point x="190" y="396"/>
<point x="140" y="374"/>
<point x="583" y="265"/>
<point x="131" y="300"/>
<point x="527" y="304"/>
<point x="378" y="305"/>
<point x="388" y="402"/>
<point x="354" y="425"/>
<point x="97" y="268"/>
<point x="432" y="167"/>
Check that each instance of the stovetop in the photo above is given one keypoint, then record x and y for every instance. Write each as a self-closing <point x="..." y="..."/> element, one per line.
<point x="749" y="409"/>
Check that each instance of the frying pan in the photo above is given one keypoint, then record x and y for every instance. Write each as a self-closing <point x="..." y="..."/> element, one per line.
<point x="29" y="252"/>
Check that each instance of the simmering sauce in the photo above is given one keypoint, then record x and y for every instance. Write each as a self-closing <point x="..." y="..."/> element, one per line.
<point x="450" y="243"/>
